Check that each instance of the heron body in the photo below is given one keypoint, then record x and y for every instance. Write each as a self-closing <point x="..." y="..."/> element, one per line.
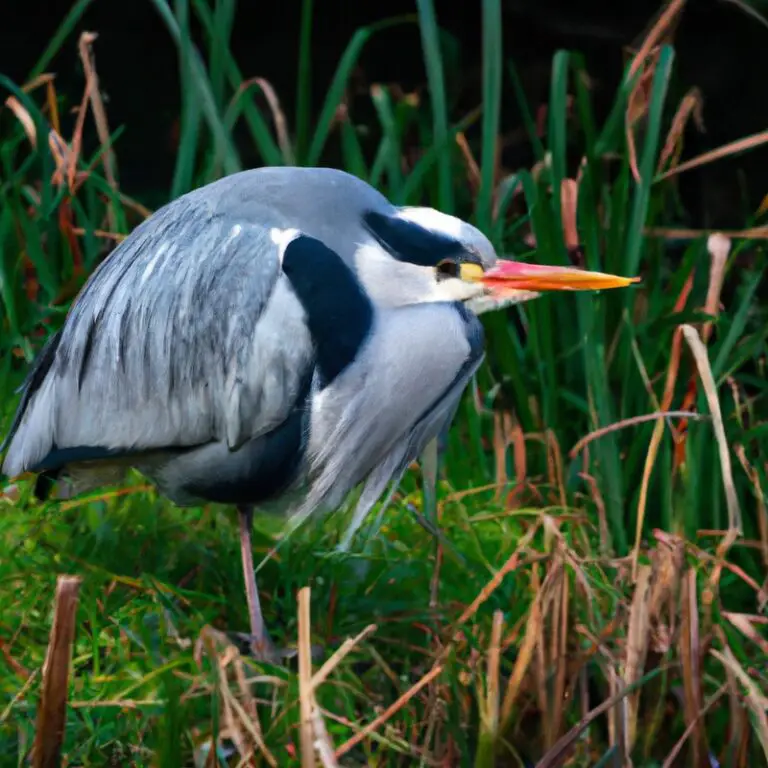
<point x="215" y="349"/>
<point x="275" y="338"/>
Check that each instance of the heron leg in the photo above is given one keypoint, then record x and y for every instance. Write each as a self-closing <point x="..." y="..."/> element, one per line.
<point x="429" y="465"/>
<point x="261" y="645"/>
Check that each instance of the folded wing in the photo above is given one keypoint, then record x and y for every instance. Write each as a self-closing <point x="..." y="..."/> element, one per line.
<point x="178" y="339"/>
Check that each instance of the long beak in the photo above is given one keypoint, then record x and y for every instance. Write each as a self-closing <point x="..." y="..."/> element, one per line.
<point x="517" y="275"/>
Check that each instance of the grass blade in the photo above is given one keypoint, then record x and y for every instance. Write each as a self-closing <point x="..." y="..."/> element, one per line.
<point x="304" y="80"/>
<point x="222" y="141"/>
<point x="354" y="159"/>
<point x="527" y="116"/>
<point x="558" y="147"/>
<point x="336" y="90"/>
<point x="639" y="214"/>
<point x="391" y="153"/>
<point x="223" y="19"/>
<point x="492" y="82"/>
<point x="262" y="138"/>
<point x="189" y="130"/>
<point x="433" y="61"/>
<point x="710" y="388"/>
<point x="737" y="326"/>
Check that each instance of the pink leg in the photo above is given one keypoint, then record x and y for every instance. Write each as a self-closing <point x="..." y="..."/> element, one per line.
<point x="260" y="642"/>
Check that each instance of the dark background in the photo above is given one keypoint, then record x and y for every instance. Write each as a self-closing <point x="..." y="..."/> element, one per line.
<point x="718" y="48"/>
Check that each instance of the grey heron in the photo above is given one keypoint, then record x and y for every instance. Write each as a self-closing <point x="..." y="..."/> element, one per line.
<point x="273" y="339"/>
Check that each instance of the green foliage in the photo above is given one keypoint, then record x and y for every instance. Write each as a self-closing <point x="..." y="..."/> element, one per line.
<point x="561" y="367"/>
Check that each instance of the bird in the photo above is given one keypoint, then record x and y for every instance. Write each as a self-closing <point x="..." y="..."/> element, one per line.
<point x="271" y="340"/>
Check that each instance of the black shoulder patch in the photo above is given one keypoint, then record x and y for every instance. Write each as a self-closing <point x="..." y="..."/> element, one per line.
<point x="339" y="313"/>
<point x="407" y="241"/>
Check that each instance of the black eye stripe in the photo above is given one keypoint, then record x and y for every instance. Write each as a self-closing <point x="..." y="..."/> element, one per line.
<point x="407" y="241"/>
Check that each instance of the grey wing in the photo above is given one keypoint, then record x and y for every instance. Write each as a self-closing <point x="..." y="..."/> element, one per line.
<point x="177" y="339"/>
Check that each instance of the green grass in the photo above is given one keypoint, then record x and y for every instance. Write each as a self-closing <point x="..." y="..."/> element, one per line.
<point x="147" y="689"/>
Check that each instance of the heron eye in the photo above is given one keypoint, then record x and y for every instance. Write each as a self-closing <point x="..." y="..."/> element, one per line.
<point x="447" y="268"/>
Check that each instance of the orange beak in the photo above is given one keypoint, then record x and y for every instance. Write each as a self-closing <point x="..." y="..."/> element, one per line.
<point x="519" y="276"/>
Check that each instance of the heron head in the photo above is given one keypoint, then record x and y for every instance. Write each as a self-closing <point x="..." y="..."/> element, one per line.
<point x="419" y="254"/>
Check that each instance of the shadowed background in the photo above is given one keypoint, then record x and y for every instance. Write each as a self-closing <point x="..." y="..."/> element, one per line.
<point x="719" y="49"/>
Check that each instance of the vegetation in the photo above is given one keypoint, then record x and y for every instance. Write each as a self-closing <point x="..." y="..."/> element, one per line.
<point x="601" y="591"/>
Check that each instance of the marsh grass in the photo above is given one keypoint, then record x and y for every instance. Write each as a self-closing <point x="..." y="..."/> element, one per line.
<point x="600" y="598"/>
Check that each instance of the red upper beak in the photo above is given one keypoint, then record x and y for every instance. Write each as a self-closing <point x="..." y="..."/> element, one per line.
<point x="517" y="275"/>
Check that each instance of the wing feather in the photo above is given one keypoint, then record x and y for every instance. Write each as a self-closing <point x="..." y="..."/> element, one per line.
<point x="177" y="339"/>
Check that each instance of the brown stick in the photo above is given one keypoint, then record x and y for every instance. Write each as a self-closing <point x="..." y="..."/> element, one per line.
<point x="52" y="709"/>
<point x="388" y="712"/>
<point x="305" y="681"/>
